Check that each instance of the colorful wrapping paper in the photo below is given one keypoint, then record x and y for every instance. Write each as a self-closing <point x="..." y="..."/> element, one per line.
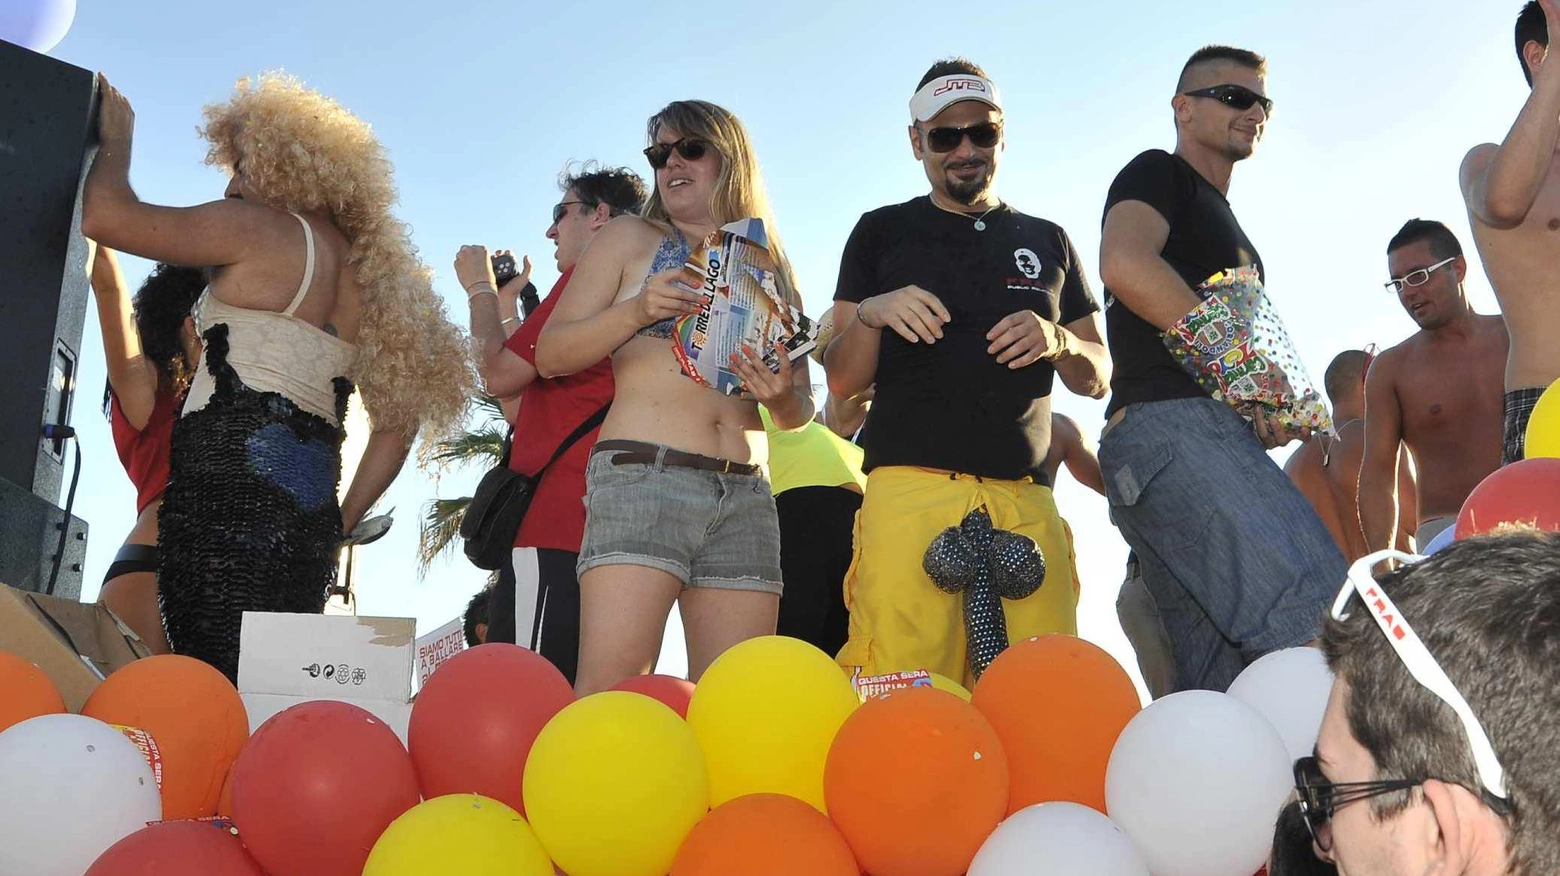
<point x="1237" y="348"/>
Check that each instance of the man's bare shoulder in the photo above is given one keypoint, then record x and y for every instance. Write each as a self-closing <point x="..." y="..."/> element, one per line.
<point x="1387" y="363"/>
<point x="1475" y="163"/>
<point x="1306" y="461"/>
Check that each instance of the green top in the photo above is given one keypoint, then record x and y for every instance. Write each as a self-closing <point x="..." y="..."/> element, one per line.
<point x="812" y="456"/>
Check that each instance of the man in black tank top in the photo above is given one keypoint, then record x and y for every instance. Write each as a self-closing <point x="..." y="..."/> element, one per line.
<point x="1236" y="560"/>
<point x="962" y="311"/>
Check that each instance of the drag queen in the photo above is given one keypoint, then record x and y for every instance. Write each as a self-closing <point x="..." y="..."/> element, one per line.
<point x="315" y="289"/>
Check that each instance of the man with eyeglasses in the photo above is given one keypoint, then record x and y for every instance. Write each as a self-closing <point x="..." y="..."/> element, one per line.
<point x="540" y="581"/>
<point x="1437" y="393"/>
<point x="963" y="312"/>
<point x="1513" y="196"/>
<point x="1437" y="751"/>
<point x="1237" y="562"/>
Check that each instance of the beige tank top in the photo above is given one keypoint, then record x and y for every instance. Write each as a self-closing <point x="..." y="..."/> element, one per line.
<point x="275" y="351"/>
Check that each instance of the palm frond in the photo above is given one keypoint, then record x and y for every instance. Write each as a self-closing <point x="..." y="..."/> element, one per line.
<point x="490" y="406"/>
<point x="483" y="445"/>
<point x="439" y="531"/>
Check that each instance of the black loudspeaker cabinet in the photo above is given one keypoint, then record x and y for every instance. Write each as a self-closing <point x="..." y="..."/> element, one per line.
<point x="46" y="123"/>
<point x="29" y="539"/>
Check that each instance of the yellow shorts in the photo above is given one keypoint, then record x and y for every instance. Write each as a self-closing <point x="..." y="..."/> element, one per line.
<point x="898" y="619"/>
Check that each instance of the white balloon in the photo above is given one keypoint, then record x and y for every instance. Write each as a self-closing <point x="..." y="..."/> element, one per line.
<point x="70" y="787"/>
<point x="1058" y="839"/>
<point x="1197" y="780"/>
<point x="36" y="24"/>
<point x="1290" y="689"/>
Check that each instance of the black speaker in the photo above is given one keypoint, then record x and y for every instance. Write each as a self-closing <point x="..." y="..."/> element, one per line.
<point x="46" y="133"/>
<point x="46" y="123"/>
<point x="30" y="530"/>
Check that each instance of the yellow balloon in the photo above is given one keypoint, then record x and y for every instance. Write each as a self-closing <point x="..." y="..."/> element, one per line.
<point x="463" y="833"/>
<point x="614" y="784"/>
<point x="765" y="714"/>
<point x="943" y="682"/>
<point x="1543" y="430"/>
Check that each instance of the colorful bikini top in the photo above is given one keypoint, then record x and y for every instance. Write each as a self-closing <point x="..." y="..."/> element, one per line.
<point x="672" y="253"/>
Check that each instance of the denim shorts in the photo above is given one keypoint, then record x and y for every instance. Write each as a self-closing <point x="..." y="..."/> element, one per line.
<point x="1237" y="561"/>
<point x="709" y="529"/>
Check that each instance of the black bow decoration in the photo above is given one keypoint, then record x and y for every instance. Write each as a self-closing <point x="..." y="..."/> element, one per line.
<point x="987" y="565"/>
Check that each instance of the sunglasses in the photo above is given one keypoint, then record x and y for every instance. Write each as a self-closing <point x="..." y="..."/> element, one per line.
<point x="562" y="207"/>
<point x="983" y="135"/>
<point x="1416" y="278"/>
<point x="690" y="148"/>
<point x="1319" y="798"/>
<point x="1236" y="97"/>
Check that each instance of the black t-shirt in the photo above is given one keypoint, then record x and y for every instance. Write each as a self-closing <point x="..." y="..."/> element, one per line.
<point x="951" y="405"/>
<point x="1204" y="239"/>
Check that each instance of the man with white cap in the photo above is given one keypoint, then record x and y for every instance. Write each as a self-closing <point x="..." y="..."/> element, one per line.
<point x="962" y="311"/>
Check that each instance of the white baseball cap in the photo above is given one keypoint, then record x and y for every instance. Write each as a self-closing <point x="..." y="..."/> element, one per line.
<point x="945" y="91"/>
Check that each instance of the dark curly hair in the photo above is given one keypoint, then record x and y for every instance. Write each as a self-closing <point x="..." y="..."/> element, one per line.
<point x="160" y="306"/>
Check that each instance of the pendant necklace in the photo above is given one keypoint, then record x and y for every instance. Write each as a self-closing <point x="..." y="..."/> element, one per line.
<point x="980" y="221"/>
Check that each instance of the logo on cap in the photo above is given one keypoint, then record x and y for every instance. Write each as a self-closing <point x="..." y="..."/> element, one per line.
<point x="960" y="85"/>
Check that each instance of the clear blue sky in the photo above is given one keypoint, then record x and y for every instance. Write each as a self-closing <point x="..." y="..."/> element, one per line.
<point x="481" y="103"/>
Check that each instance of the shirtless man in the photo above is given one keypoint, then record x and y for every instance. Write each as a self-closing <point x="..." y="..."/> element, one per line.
<point x="1328" y="472"/>
<point x="1069" y="447"/>
<point x="1435" y="392"/>
<point x="1513" y="197"/>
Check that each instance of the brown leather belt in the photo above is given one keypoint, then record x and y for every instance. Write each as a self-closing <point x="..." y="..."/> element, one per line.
<point x="643" y="453"/>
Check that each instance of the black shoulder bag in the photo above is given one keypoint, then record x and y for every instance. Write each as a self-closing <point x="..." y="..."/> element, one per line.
<point x="493" y="517"/>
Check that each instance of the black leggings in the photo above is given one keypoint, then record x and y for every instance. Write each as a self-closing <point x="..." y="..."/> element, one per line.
<point x="817" y="526"/>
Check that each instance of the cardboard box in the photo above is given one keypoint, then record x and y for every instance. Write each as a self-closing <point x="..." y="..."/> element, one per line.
<point x="76" y="645"/>
<point x="436" y="648"/>
<point x="286" y="659"/>
<point x="261" y="707"/>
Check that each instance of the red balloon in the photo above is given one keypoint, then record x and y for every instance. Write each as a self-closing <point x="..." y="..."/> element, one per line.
<point x="675" y="692"/>
<point x="177" y="848"/>
<point x="1524" y="493"/>
<point x="476" y="718"/>
<point x="316" y="786"/>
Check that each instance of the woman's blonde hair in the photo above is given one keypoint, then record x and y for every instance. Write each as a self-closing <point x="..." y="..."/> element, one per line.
<point x="739" y="191"/>
<point x="301" y="151"/>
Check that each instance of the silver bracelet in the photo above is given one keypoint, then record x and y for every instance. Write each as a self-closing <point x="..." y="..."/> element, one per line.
<point x="513" y="319"/>
<point x="480" y="288"/>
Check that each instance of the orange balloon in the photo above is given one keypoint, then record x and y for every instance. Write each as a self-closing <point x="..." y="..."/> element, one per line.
<point x="916" y="780"/>
<point x="1058" y="703"/>
<point x="25" y="692"/>
<point x="194" y="715"/>
<point x="765" y="835"/>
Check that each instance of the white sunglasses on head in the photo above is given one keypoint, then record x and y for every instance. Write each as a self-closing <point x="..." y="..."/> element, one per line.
<point x="1416" y="658"/>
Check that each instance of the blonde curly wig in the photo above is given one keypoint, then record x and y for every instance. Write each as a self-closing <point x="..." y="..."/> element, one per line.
<point x="302" y="151"/>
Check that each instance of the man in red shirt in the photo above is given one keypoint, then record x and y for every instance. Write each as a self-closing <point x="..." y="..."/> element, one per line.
<point x="537" y="599"/>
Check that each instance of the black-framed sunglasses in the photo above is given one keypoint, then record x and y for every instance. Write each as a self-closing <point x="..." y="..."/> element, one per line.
<point x="984" y="135"/>
<point x="562" y="207"/>
<point x="1236" y="97"/>
<point x="690" y="148"/>
<point x="1319" y="798"/>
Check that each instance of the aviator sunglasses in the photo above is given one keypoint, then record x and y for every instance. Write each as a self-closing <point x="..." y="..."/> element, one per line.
<point x="984" y="135"/>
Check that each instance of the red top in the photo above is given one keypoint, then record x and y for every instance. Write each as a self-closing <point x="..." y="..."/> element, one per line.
<point x="144" y="452"/>
<point x="550" y="410"/>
